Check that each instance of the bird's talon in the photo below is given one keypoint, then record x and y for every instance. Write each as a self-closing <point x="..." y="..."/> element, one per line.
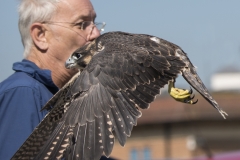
<point x="190" y="90"/>
<point x="195" y="102"/>
<point x="192" y="96"/>
<point x="182" y="95"/>
<point x="190" y="101"/>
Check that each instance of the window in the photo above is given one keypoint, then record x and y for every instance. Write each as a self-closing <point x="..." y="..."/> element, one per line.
<point x="146" y="154"/>
<point x="134" y="154"/>
<point x="140" y="154"/>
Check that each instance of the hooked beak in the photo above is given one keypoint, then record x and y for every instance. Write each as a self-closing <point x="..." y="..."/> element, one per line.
<point x="70" y="63"/>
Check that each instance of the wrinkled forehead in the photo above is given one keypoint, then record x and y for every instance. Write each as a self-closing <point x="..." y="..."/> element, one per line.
<point x="74" y="10"/>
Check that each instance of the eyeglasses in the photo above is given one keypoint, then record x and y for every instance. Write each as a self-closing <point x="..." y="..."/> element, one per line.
<point x="84" y="25"/>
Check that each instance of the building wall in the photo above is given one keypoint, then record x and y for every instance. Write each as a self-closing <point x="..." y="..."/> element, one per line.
<point x="225" y="82"/>
<point x="176" y="140"/>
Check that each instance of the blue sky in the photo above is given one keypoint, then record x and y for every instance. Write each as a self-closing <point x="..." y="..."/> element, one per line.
<point x="207" y="30"/>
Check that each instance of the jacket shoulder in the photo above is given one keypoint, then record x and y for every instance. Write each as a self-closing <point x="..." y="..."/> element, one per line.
<point x="17" y="79"/>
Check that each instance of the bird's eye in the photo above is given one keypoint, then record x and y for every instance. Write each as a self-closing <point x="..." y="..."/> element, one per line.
<point x="77" y="56"/>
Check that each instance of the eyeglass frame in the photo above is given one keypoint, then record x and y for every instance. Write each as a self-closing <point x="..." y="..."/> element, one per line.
<point x="81" y="27"/>
<point x="81" y="24"/>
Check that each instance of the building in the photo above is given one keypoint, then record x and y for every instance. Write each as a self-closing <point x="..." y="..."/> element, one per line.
<point x="227" y="79"/>
<point x="174" y="130"/>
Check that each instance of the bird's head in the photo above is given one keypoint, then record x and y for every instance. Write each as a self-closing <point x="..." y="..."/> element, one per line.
<point x="81" y="57"/>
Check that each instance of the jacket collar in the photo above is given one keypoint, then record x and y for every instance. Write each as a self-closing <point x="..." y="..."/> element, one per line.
<point x="41" y="75"/>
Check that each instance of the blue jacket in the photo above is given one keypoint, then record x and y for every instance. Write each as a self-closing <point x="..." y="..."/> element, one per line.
<point x="22" y="95"/>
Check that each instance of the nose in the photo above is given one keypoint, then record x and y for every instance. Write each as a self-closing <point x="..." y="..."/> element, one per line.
<point x="94" y="33"/>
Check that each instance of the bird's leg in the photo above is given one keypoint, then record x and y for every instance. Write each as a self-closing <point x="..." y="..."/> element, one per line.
<point x="181" y="95"/>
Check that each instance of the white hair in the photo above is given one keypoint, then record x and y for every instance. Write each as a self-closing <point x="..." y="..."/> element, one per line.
<point x="31" y="11"/>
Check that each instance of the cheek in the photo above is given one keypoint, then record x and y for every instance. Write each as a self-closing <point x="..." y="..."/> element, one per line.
<point x="73" y="40"/>
<point x="78" y="41"/>
<point x="73" y="43"/>
<point x="66" y="43"/>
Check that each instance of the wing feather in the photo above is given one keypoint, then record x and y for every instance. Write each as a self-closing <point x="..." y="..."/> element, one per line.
<point x="105" y="132"/>
<point x="119" y="128"/>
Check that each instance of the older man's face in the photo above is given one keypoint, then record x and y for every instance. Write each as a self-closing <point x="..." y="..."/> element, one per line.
<point x="66" y="37"/>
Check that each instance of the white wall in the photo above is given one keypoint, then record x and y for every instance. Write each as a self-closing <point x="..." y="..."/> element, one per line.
<point x="225" y="82"/>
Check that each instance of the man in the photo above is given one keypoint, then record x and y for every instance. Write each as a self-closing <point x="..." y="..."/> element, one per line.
<point x="51" y="31"/>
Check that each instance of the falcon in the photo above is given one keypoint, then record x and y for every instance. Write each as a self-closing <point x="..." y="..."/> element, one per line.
<point x="118" y="74"/>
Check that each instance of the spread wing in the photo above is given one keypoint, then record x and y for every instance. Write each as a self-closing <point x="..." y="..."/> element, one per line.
<point x="125" y="74"/>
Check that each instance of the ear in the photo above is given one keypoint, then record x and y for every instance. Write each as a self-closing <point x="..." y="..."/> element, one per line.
<point x="38" y="33"/>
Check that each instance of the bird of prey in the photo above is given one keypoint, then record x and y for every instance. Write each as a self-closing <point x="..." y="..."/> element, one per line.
<point x="118" y="74"/>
